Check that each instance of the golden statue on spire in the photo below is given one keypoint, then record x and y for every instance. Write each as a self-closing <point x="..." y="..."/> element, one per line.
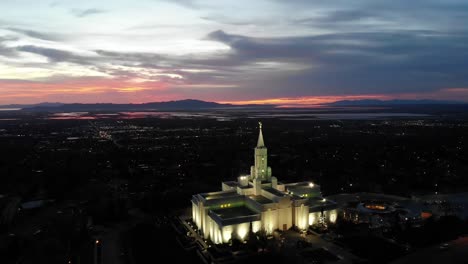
<point x="260" y="124"/>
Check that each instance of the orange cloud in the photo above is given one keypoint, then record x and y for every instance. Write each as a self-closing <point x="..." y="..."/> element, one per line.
<point x="126" y="90"/>
<point x="77" y="90"/>
<point x="307" y="100"/>
<point x="131" y="89"/>
<point x="456" y="94"/>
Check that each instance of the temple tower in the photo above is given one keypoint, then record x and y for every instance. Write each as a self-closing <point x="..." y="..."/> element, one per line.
<point x="260" y="170"/>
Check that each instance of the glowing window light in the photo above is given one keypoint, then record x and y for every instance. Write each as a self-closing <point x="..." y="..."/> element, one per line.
<point x="302" y="223"/>
<point x="256" y="226"/>
<point x="333" y="217"/>
<point x="242" y="231"/>
<point x="311" y="184"/>
<point x="227" y="235"/>
<point x="311" y="219"/>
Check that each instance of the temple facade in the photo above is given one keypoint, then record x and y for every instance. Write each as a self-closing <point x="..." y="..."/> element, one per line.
<point x="259" y="202"/>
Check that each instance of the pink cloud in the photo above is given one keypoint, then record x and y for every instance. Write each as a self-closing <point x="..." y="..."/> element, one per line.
<point x="81" y="90"/>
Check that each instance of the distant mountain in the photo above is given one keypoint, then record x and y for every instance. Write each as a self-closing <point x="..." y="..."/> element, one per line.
<point x="373" y="102"/>
<point x="21" y="106"/>
<point x="49" y="104"/>
<point x="188" y="104"/>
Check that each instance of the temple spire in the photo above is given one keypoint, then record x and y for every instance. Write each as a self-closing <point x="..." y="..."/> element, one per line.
<point x="260" y="143"/>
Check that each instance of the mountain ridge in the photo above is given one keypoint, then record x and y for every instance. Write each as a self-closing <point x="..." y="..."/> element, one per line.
<point x="186" y="104"/>
<point x="194" y="104"/>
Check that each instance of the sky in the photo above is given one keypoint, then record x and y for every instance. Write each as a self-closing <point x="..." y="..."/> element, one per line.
<point x="243" y="51"/>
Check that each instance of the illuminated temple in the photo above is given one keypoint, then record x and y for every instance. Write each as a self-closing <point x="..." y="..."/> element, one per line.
<point x="259" y="201"/>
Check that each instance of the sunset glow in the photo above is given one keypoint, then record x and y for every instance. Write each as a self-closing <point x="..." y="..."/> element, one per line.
<point x="292" y="53"/>
<point x="312" y="100"/>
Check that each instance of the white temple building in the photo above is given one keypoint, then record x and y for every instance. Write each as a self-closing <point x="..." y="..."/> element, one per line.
<point x="259" y="201"/>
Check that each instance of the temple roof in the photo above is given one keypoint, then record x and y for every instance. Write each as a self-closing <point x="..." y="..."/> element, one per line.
<point x="234" y="215"/>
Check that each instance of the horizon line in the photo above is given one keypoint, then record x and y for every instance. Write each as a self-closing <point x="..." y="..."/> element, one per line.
<point x="299" y="102"/>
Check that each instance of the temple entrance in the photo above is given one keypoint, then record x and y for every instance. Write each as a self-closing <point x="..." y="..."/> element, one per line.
<point x="285" y="227"/>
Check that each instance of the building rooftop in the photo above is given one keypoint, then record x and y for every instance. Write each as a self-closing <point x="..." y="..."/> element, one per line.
<point x="234" y="215"/>
<point x="260" y="199"/>
<point x="235" y="184"/>
<point x="316" y="204"/>
<point x="218" y="195"/>
<point x="231" y="183"/>
<point x="274" y="191"/>
<point x="233" y="212"/>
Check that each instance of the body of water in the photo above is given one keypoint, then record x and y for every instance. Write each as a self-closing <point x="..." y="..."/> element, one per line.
<point x="224" y="116"/>
<point x="10" y="109"/>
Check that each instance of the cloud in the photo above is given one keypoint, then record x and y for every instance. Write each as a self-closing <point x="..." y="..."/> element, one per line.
<point x="54" y="55"/>
<point x="87" y="12"/>
<point x="34" y="34"/>
<point x="370" y="62"/>
<point x="192" y="4"/>
<point x="6" y="51"/>
<point x="353" y="63"/>
<point x="177" y="70"/>
<point x="339" y="18"/>
<point x="54" y="3"/>
<point x="294" y="48"/>
<point x="80" y="89"/>
<point x="396" y="14"/>
<point x="341" y="63"/>
<point x="223" y="19"/>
